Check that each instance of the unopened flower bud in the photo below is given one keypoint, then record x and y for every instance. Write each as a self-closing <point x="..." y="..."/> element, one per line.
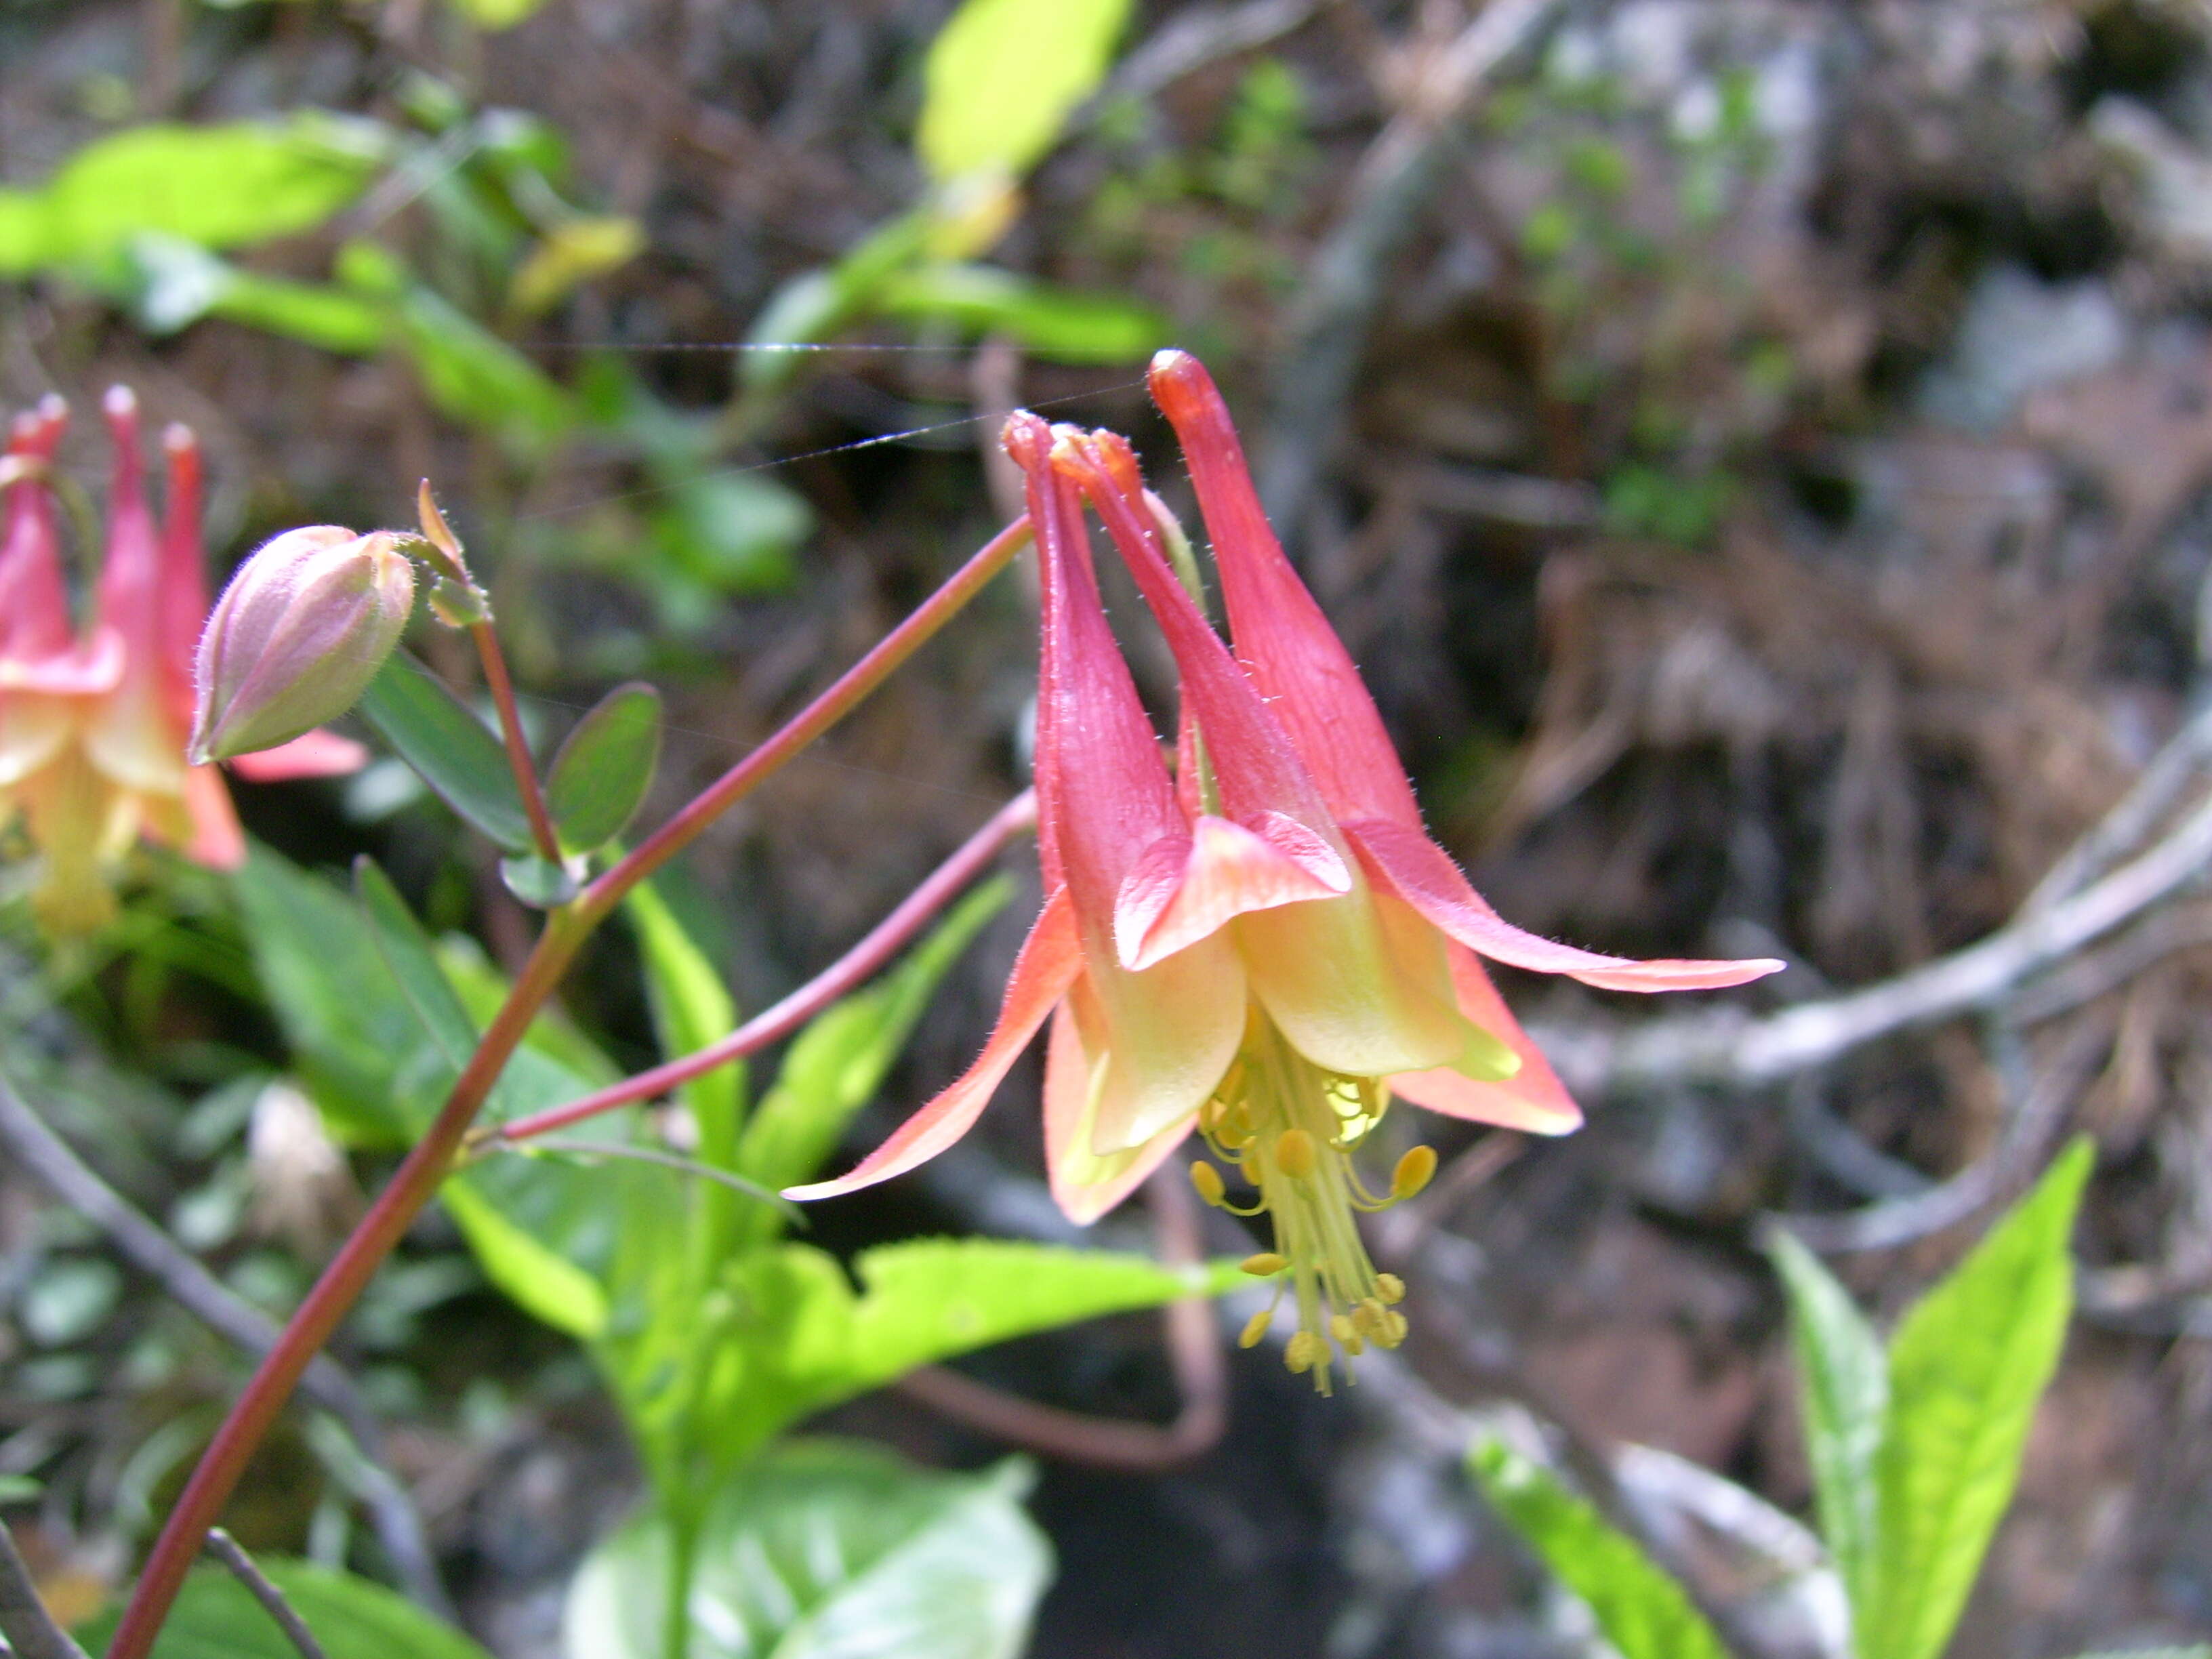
<point x="297" y="636"/>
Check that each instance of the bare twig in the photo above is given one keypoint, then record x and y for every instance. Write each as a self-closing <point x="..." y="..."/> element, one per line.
<point x="1199" y="36"/>
<point x="1729" y="1049"/>
<point x="30" y="1629"/>
<point x="153" y="1252"/>
<point x="2037" y="1110"/>
<point x="1193" y="1340"/>
<point x="226" y="1550"/>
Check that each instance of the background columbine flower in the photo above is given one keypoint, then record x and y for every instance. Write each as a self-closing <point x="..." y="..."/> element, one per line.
<point x="92" y="729"/>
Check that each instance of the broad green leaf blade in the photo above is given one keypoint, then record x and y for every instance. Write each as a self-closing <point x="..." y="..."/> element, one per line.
<point x="828" y="1550"/>
<point x="405" y="950"/>
<point x="542" y="1283"/>
<point x="795" y="1338"/>
<point x="692" y="1008"/>
<point x="1965" y="1370"/>
<point x="1059" y="324"/>
<point x="929" y="1299"/>
<point x="1003" y="76"/>
<point x="838" y="1062"/>
<point x="454" y="750"/>
<point x="216" y="1618"/>
<point x="351" y="1031"/>
<point x="219" y="186"/>
<point x="601" y="775"/>
<point x="1843" y="1382"/>
<point x="1642" y="1612"/>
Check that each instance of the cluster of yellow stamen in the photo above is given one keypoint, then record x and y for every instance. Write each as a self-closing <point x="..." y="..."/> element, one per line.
<point x="1290" y="1127"/>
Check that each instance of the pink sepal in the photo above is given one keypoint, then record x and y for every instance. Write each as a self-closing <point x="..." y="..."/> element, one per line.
<point x="96" y="668"/>
<point x="1050" y="959"/>
<point x="1533" y="1098"/>
<point x="1186" y="888"/>
<point x="1408" y="864"/>
<point x="1067" y="1103"/>
<point x="316" y="754"/>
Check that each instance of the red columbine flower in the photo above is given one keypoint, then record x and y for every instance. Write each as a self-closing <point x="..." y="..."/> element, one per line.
<point x="91" y="732"/>
<point x="1269" y="948"/>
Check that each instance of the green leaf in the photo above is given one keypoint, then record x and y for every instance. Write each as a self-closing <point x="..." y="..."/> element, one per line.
<point x="351" y="1028"/>
<point x="539" y="883"/>
<point x="217" y="1618"/>
<point x="222" y="185"/>
<point x="572" y="253"/>
<point x="1642" y="1612"/>
<point x="457" y="754"/>
<point x="1003" y="76"/>
<point x="1057" y="323"/>
<point x="1965" y="1370"/>
<point x="692" y="1008"/>
<point x="601" y="773"/>
<point x="1844" y="1383"/>
<point x="19" y="1489"/>
<point x="787" y="1336"/>
<point x="838" y="1063"/>
<point x="497" y="14"/>
<point x="541" y="1282"/>
<point x="170" y="283"/>
<point x="828" y="1550"/>
<point x="405" y="950"/>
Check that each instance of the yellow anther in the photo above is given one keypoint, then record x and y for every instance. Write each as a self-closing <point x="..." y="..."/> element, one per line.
<point x="1414" y="1172"/>
<point x="1207" y="1180"/>
<point x="1390" y="1330"/>
<point x="1304" y="1350"/>
<point x="1390" y="1287"/>
<point x="1255" y="1328"/>
<point x="1264" y="1264"/>
<point x="1341" y="1328"/>
<point x="1294" y="1154"/>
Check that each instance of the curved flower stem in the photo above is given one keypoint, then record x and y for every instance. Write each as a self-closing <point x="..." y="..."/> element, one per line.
<point x="502" y="687"/>
<point x="862" y="677"/>
<point x="427" y="1166"/>
<point x="877" y="947"/>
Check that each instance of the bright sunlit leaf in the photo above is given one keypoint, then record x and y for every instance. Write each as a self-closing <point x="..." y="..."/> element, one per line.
<point x="1003" y="76"/>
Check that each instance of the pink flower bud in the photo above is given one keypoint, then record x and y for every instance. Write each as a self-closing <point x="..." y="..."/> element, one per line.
<point x="297" y="636"/>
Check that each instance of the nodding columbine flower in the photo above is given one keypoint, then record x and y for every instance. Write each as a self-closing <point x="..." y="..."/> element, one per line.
<point x="1265" y="947"/>
<point x="92" y="729"/>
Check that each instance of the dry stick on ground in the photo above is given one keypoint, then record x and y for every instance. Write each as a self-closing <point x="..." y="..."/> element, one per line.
<point x="30" y="1629"/>
<point x="1727" y="1049"/>
<point x="1193" y="1341"/>
<point x="49" y="1158"/>
<point x="1344" y="279"/>
<point x="2036" y="1114"/>
<point x="228" y="1550"/>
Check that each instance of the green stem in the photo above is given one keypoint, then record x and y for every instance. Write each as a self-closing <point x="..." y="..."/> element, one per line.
<point x="683" y="1567"/>
<point x="334" y="1293"/>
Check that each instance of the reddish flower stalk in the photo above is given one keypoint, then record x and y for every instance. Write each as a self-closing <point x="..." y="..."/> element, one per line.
<point x="418" y="1179"/>
<point x="502" y="687"/>
<point x="881" y="942"/>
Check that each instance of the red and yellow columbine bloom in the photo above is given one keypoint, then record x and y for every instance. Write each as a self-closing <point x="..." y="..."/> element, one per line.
<point x="92" y="729"/>
<point x="1265" y="947"/>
